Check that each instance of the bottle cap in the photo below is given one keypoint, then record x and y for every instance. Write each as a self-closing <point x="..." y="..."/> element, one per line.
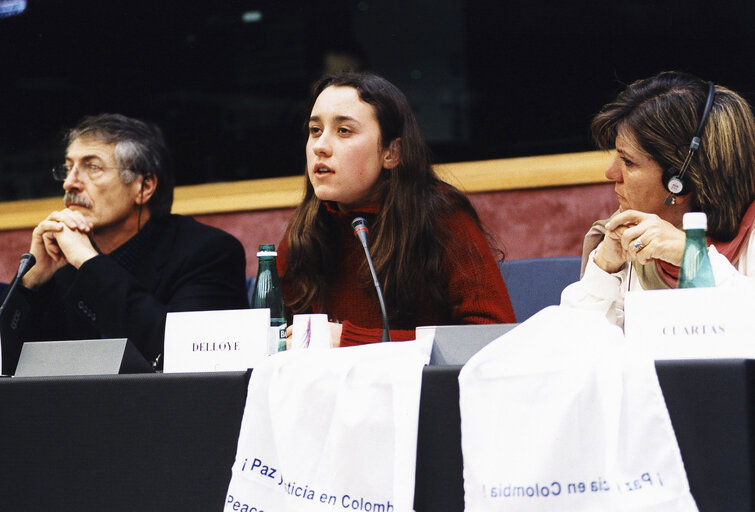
<point x="695" y="220"/>
<point x="266" y="250"/>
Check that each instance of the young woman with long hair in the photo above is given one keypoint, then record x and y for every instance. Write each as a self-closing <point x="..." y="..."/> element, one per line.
<point x="366" y="158"/>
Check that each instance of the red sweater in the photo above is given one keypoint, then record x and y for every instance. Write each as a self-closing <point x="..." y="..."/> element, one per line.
<point x="358" y="307"/>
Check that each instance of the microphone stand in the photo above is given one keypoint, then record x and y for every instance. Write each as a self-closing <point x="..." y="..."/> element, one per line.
<point x="360" y="231"/>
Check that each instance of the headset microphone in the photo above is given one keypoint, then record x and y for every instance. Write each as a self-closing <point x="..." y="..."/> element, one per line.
<point x="673" y="179"/>
<point x="359" y="225"/>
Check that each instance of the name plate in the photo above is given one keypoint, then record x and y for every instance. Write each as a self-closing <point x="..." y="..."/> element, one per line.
<point x="213" y="341"/>
<point x="692" y="323"/>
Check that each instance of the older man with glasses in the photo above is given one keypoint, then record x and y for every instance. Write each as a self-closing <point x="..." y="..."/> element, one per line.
<point x="114" y="261"/>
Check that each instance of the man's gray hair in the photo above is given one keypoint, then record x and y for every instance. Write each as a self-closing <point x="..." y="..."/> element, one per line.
<point x="139" y="149"/>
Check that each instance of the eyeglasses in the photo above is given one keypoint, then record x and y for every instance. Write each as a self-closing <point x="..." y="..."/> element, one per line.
<point x="91" y="171"/>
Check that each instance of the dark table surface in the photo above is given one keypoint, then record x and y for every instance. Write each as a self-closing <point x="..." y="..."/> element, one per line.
<point x="163" y="442"/>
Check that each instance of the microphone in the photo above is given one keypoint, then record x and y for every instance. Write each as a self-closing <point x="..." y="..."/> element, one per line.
<point x="27" y="262"/>
<point x="359" y="225"/>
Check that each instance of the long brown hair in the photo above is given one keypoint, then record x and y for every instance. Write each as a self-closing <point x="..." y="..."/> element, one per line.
<point x="662" y="113"/>
<point x="408" y="238"/>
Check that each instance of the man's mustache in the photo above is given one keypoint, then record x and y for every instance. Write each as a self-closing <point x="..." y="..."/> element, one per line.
<point x="73" y="198"/>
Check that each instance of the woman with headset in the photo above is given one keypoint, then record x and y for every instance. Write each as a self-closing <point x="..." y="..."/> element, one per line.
<point x="682" y="145"/>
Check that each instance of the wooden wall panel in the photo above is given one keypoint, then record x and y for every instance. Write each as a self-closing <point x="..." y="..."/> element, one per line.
<point x="527" y="223"/>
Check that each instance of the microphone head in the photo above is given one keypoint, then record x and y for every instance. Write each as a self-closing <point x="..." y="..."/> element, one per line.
<point x="359" y="224"/>
<point x="27" y="262"/>
<point x="29" y="258"/>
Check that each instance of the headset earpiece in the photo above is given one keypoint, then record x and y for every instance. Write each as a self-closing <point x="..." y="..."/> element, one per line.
<point x="674" y="180"/>
<point x="675" y="183"/>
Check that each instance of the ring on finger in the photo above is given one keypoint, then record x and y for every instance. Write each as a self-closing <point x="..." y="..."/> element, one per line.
<point x="638" y="244"/>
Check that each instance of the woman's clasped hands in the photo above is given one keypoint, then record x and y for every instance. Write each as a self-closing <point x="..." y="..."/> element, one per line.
<point x="636" y="236"/>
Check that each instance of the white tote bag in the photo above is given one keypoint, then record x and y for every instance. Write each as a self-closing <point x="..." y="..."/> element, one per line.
<point x="329" y="430"/>
<point x="557" y="415"/>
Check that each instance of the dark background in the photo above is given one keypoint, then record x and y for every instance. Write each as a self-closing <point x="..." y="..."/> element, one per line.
<point x="228" y="80"/>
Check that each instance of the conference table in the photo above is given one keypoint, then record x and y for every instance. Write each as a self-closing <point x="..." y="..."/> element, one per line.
<point x="165" y="442"/>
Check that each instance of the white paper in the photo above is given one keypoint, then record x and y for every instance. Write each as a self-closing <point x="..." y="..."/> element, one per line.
<point x="691" y="323"/>
<point x="207" y="341"/>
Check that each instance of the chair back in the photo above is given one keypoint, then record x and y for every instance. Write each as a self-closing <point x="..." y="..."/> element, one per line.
<point x="536" y="283"/>
<point x="533" y="283"/>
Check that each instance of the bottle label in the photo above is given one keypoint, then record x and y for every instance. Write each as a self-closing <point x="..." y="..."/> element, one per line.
<point x="276" y="338"/>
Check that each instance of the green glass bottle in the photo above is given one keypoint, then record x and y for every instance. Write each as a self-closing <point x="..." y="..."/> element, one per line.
<point x="267" y="293"/>
<point x="696" y="271"/>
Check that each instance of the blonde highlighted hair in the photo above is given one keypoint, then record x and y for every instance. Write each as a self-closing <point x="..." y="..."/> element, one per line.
<point x="662" y="113"/>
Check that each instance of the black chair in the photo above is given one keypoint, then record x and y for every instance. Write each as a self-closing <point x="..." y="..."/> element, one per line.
<point x="536" y="283"/>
